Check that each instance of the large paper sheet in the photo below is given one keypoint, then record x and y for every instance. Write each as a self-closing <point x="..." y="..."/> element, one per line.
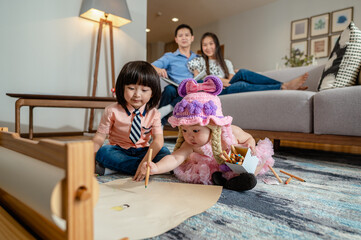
<point x="127" y="209"/>
<point x="30" y="180"/>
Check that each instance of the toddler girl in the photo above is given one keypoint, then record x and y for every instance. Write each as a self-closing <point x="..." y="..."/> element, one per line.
<point x="130" y="123"/>
<point x="203" y="134"/>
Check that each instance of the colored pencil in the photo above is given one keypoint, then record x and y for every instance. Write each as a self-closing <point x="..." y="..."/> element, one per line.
<point x="298" y="178"/>
<point x="148" y="167"/>
<point x="226" y="156"/>
<point x="288" y="180"/>
<point x="279" y="179"/>
<point x="233" y="149"/>
<point x="221" y="156"/>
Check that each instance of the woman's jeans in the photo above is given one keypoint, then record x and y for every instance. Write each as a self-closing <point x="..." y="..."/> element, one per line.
<point x="125" y="160"/>
<point x="247" y="81"/>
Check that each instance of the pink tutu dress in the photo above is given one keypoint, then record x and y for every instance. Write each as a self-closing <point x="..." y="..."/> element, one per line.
<point x="198" y="168"/>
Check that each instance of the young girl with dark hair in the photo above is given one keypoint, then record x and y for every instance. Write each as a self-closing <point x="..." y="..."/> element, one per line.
<point x="244" y="80"/>
<point x="130" y="123"/>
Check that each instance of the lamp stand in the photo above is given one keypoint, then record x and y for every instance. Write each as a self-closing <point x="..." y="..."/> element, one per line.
<point x="95" y="81"/>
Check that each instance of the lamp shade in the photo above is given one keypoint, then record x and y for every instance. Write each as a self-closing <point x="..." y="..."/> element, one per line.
<point x="116" y="10"/>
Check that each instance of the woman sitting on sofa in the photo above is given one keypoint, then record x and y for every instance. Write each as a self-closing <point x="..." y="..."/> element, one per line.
<point x="244" y="80"/>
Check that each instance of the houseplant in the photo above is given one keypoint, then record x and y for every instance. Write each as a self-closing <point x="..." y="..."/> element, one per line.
<point x="297" y="59"/>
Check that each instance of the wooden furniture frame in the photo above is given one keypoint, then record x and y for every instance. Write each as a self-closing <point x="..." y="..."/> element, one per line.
<point x="306" y="137"/>
<point x="77" y="159"/>
<point x="57" y="101"/>
<point x="277" y="136"/>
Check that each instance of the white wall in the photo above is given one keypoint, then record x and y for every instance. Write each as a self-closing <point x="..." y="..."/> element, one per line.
<point x="46" y="48"/>
<point x="155" y="51"/>
<point x="259" y="38"/>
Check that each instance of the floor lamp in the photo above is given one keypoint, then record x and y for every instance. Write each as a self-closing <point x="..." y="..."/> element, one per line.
<point x="114" y="13"/>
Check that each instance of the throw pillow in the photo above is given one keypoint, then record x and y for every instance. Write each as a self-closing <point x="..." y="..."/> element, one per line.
<point x="343" y="66"/>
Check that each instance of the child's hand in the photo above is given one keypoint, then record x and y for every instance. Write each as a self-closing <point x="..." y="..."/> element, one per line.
<point x="251" y="143"/>
<point x="142" y="171"/>
<point x="244" y="138"/>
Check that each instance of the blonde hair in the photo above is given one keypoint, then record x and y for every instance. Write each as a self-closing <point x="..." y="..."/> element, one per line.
<point x="216" y="141"/>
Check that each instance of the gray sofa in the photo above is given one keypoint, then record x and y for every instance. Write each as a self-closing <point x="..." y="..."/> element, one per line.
<point x="330" y="116"/>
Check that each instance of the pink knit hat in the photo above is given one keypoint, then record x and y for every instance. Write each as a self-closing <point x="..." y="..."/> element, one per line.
<point x="200" y="103"/>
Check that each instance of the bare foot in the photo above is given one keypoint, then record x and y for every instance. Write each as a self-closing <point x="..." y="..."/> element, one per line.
<point x="296" y="83"/>
<point x="302" y="88"/>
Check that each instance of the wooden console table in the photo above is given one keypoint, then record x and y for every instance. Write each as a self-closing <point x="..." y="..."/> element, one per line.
<point x="57" y="101"/>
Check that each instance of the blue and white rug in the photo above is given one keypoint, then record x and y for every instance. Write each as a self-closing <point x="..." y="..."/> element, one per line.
<point x="326" y="206"/>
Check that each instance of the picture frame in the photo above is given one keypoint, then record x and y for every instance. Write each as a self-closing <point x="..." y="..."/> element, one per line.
<point x="320" y="24"/>
<point x="301" y="45"/>
<point x="299" y="29"/>
<point x="333" y="40"/>
<point x="319" y="47"/>
<point x="341" y="19"/>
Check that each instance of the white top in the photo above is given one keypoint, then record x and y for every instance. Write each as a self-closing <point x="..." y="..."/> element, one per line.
<point x="199" y="64"/>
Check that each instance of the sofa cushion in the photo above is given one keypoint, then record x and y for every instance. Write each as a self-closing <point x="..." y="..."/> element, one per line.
<point x="343" y="66"/>
<point x="276" y="110"/>
<point x="337" y="111"/>
<point x="288" y="74"/>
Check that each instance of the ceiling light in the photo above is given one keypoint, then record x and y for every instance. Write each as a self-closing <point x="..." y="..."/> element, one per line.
<point x="175" y="19"/>
<point x="147" y="30"/>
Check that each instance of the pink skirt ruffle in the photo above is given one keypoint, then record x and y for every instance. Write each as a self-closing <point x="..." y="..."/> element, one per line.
<point x="199" y="169"/>
<point x="264" y="153"/>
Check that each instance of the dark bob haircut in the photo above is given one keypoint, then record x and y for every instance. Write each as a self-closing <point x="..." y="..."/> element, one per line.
<point x="141" y="73"/>
<point x="181" y="27"/>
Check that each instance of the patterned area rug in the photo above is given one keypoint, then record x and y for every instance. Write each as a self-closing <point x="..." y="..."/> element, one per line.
<point x="326" y="206"/>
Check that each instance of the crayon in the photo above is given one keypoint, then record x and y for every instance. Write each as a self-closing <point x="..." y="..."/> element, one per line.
<point x="148" y="167"/>
<point x="233" y="149"/>
<point x="279" y="179"/>
<point x="288" y="180"/>
<point x="298" y="178"/>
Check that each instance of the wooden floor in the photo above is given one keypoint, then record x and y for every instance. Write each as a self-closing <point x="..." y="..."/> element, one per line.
<point x="302" y="145"/>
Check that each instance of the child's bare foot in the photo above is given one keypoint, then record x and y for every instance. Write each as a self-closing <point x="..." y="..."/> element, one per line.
<point x="296" y="83"/>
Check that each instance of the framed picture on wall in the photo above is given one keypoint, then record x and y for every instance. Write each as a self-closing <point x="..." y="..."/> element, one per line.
<point x="302" y="46"/>
<point x="319" y="47"/>
<point x="299" y="29"/>
<point x="320" y="24"/>
<point x="333" y="40"/>
<point x="341" y="19"/>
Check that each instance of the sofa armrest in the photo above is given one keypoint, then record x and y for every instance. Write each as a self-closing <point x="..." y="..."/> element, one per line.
<point x="337" y="111"/>
<point x="288" y="74"/>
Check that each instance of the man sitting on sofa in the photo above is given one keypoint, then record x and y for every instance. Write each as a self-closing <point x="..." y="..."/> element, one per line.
<point x="174" y="66"/>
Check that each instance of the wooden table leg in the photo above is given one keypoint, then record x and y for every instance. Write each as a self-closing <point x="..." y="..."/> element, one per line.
<point x="18" y="105"/>
<point x="31" y="122"/>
